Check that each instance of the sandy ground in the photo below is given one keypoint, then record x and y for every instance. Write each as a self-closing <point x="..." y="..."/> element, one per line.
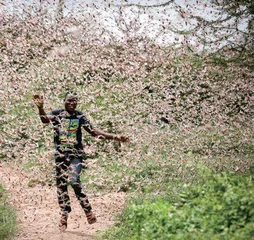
<point x="38" y="211"/>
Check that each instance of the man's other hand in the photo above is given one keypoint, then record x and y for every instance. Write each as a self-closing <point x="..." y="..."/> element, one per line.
<point x="122" y="139"/>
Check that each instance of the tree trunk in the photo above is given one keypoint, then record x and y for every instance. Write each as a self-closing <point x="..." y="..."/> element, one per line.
<point x="60" y="8"/>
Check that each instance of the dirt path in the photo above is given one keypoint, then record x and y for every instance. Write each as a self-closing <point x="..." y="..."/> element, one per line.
<point x="38" y="211"/>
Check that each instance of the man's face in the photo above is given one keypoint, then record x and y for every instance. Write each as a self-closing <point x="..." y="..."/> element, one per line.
<point x="71" y="102"/>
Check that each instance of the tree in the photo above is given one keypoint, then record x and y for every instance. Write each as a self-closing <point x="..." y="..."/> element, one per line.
<point x="236" y="12"/>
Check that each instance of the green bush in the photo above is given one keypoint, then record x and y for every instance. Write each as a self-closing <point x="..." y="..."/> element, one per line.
<point x="219" y="207"/>
<point x="7" y="217"/>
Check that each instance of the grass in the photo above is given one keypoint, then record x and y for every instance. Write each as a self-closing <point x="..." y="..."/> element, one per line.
<point x="8" y="222"/>
<point x="173" y="179"/>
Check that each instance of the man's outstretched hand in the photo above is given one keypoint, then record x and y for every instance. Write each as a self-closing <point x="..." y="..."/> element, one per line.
<point x="38" y="100"/>
<point x="122" y="139"/>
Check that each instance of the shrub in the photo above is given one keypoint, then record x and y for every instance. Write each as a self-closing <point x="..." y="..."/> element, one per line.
<point x="219" y="207"/>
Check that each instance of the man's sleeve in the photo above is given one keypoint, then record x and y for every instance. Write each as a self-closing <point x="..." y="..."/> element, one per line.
<point x="85" y="123"/>
<point x="52" y="116"/>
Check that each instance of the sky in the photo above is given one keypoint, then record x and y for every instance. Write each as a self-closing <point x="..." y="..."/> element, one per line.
<point x="151" y="20"/>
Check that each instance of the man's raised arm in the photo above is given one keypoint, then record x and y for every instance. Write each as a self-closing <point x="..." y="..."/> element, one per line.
<point x="38" y="99"/>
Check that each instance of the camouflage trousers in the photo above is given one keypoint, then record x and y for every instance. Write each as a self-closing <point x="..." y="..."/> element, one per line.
<point x="68" y="173"/>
